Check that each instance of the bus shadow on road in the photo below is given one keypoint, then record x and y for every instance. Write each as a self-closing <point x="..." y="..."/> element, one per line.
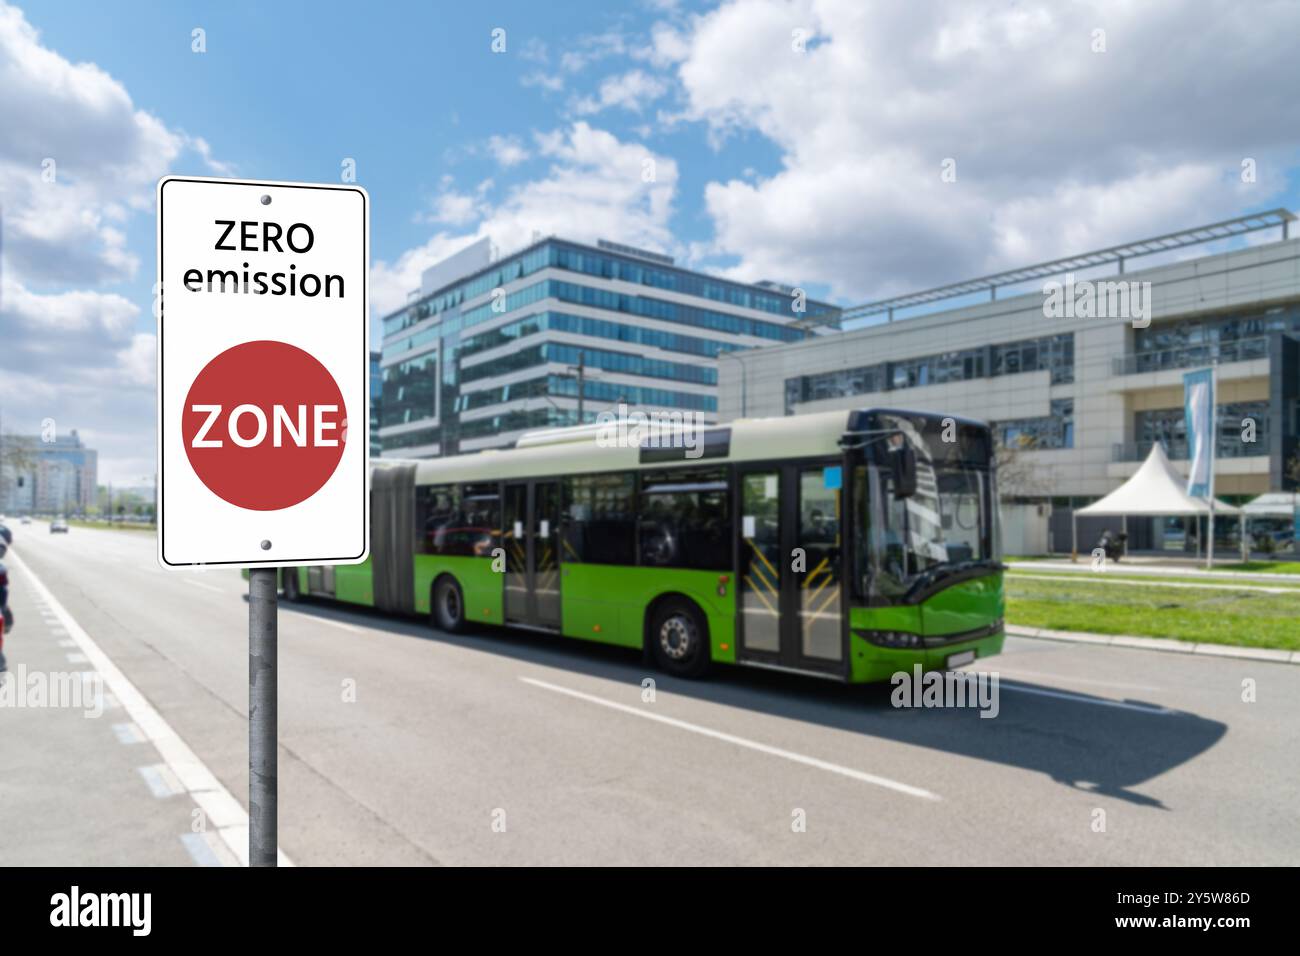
<point x="1099" y="745"/>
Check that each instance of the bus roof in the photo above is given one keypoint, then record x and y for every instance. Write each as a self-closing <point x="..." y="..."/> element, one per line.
<point x="587" y="449"/>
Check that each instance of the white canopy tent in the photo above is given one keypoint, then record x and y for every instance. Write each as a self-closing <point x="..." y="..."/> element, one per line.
<point x="1155" y="490"/>
<point x="1274" y="504"/>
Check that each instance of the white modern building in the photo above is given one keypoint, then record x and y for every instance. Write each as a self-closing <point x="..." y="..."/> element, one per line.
<point x="1082" y="372"/>
<point x="491" y="347"/>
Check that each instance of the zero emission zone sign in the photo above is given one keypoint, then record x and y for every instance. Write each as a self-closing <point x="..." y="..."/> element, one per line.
<point x="263" y="373"/>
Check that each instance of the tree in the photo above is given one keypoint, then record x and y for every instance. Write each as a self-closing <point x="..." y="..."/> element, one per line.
<point x="17" y="459"/>
<point x="1017" y="478"/>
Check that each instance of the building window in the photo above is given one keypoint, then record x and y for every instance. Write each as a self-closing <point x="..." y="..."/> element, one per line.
<point x="1051" y="353"/>
<point x="1226" y="338"/>
<point x="1169" y="426"/>
<point x="1055" y="431"/>
<point x="410" y="391"/>
<point x="685" y="520"/>
<point x="414" y="439"/>
<point x="600" y="520"/>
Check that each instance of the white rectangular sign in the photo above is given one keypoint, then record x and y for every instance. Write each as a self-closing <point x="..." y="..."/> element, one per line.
<point x="263" y="373"/>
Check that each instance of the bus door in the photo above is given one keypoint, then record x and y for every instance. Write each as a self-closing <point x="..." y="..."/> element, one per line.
<point x="531" y="537"/>
<point x="791" y="554"/>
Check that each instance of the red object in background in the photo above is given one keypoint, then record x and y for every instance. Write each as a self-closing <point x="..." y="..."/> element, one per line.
<point x="292" y="416"/>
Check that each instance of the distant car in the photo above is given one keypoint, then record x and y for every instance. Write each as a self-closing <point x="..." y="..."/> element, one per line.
<point x="58" y="524"/>
<point x="6" y="535"/>
<point x="25" y="520"/>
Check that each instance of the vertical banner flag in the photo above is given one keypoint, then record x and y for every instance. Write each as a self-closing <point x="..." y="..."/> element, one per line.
<point x="1198" y="407"/>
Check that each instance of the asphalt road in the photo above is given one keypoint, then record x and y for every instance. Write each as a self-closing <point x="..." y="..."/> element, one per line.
<point x="404" y="745"/>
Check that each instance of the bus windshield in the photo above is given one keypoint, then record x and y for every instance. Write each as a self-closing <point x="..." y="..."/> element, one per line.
<point x="907" y="545"/>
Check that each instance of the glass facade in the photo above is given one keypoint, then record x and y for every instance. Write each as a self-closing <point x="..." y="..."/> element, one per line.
<point x="429" y="380"/>
<point x="1169" y="425"/>
<point x="594" y="359"/>
<point x="410" y="391"/>
<point x="1039" y="434"/>
<point x="604" y="393"/>
<point x="635" y="305"/>
<point x="557" y="254"/>
<point x="1209" y="341"/>
<point x="1050" y="353"/>
<point x="596" y="328"/>
<point x="376" y="395"/>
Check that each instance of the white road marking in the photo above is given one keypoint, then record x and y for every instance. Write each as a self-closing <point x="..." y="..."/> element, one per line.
<point x="743" y="742"/>
<point x="325" y="620"/>
<point x="75" y="658"/>
<point x="192" y="774"/>
<point x="1101" y="577"/>
<point x="206" y="587"/>
<point x="1155" y="709"/>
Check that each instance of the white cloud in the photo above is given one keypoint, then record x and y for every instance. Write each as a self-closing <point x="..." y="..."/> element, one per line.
<point x="593" y="47"/>
<point x="79" y="358"/>
<point x="595" y="187"/>
<point x="550" y="82"/>
<point x="78" y="161"/>
<point x="507" y="150"/>
<point x="633" y="91"/>
<point x="75" y="156"/>
<point x="1057" y="148"/>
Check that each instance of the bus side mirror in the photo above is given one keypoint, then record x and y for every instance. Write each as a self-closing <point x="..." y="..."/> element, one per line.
<point x="902" y="466"/>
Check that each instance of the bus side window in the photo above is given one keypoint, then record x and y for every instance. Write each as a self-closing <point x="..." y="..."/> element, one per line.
<point x="442" y="522"/>
<point x="481" y="506"/>
<point x="600" y="520"/>
<point x="684" y="519"/>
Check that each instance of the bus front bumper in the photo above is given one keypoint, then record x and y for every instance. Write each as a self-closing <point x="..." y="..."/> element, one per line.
<point x="870" y="662"/>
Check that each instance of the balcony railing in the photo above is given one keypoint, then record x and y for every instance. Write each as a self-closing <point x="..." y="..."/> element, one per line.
<point x="1177" y="450"/>
<point x="1192" y="356"/>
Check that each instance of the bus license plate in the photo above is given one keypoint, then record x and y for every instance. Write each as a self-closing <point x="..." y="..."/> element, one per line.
<point x="957" y="660"/>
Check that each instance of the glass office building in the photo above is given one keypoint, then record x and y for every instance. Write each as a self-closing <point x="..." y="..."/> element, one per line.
<point x="477" y="358"/>
<point x="376" y="395"/>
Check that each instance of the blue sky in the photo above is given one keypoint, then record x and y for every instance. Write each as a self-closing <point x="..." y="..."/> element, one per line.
<point x="795" y="140"/>
<point x="412" y="91"/>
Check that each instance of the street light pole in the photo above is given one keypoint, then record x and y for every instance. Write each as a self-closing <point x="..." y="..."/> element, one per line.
<point x="580" y="371"/>
<point x="582" y="376"/>
<point x="744" y="381"/>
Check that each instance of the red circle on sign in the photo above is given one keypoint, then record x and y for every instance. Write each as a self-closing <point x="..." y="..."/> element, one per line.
<point x="264" y="425"/>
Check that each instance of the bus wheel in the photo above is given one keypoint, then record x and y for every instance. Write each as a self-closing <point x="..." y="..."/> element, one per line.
<point x="291" y="591"/>
<point x="679" y="638"/>
<point x="448" y="605"/>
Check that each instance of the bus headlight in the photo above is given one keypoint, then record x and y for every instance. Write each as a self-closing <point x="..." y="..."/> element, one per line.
<point x="895" y="639"/>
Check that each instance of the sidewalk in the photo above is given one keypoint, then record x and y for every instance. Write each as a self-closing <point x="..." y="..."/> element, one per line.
<point x="1158" y="644"/>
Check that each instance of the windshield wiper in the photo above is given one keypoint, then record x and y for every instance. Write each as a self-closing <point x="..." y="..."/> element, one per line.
<point x="938" y="572"/>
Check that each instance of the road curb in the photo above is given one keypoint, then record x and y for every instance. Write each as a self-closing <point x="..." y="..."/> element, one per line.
<point x="1167" y="645"/>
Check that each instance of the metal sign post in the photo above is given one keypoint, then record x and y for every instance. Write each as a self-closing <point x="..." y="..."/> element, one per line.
<point x="262" y="685"/>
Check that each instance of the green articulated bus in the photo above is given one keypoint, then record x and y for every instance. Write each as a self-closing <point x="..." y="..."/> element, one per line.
<point x="848" y="545"/>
